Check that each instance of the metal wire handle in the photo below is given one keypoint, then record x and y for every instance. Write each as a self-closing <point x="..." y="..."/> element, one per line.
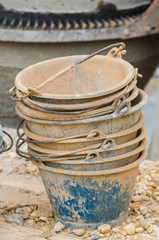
<point x="56" y="153"/>
<point x="31" y="156"/>
<point x="106" y="144"/>
<point x="40" y="157"/>
<point x="44" y="157"/>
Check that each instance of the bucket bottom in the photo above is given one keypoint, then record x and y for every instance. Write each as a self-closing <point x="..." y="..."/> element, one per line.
<point x="93" y="226"/>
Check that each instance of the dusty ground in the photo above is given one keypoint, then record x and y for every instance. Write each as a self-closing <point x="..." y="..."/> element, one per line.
<point x="22" y="192"/>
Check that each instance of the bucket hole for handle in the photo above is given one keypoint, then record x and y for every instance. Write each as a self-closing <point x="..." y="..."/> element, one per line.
<point x="95" y="134"/>
<point x="108" y="144"/>
<point x="91" y="156"/>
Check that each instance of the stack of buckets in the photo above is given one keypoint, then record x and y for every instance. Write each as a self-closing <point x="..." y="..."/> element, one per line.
<point x="85" y="132"/>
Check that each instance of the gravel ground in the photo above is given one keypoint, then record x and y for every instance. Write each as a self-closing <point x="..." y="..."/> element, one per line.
<point x="25" y="212"/>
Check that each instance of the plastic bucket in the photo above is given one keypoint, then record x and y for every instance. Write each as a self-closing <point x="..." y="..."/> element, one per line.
<point x="93" y="161"/>
<point x="108" y="147"/>
<point x="100" y="76"/>
<point x="81" y="141"/>
<point x="97" y="102"/>
<point x="120" y="120"/>
<point x="87" y="199"/>
<point x="39" y="113"/>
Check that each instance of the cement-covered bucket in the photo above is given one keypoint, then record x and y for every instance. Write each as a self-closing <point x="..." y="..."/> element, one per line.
<point x="91" y="162"/>
<point x="107" y="148"/>
<point x="124" y="118"/>
<point x="76" y="142"/>
<point x="76" y="78"/>
<point x="72" y="107"/>
<point x="87" y="199"/>
<point x="39" y="113"/>
<point x="97" y="102"/>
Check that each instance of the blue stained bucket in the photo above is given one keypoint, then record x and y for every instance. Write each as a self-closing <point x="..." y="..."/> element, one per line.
<point x="87" y="199"/>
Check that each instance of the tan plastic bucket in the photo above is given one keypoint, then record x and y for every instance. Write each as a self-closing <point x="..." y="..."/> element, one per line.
<point x="107" y="147"/>
<point x="96" y="102"/>
<point x="95" y="163"/>
<point x="81" y="141"/>
<point x="34" y="112"/>
<point x="108" y="124"/>
<point x="99" y="76"/>
<point x="88" y="199"/>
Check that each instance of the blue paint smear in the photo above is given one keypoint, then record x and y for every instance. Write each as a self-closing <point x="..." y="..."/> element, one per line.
<point x="98" y="202"/>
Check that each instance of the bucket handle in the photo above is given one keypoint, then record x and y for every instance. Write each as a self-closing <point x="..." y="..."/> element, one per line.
<point x="65" y="70"/>
<point x="44" y="157"/>
<point x="107" y="143"/>
<point x="80" y="151"/>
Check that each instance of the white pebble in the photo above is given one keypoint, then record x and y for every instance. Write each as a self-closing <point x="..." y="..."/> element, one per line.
<point x="140" y="198"/>
<point x="144" y="223"/>
<point x="129" y="229"/>
<point x="143" y="210"/>
<point x="139" y="230"/>
<point x="105" y="228"/>
<point x="154" y="207"/>
<point x="59" y="227"/>
<point x="79" y="232"/>
<point x="115" y="230"/>
<point x="25" y="215"/>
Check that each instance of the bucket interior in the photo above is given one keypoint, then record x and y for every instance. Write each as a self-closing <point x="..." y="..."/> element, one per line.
<point x="95" y="75"/>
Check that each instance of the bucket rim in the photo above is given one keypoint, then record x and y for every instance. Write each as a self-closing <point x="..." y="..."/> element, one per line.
<point x="130" y="75"/>
<point x="128" y="167"/>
